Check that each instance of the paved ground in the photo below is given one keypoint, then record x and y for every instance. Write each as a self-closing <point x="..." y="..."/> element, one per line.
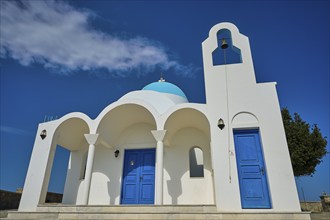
<point x="320" y="216"/>
<point x="314" y="216"/>
<point x="3" y="213"/>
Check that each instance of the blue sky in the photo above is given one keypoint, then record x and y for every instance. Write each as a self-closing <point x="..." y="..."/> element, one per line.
<point x="58" y="57"/>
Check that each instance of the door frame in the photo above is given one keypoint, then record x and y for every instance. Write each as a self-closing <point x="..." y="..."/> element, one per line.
<point x="123" y="174"/>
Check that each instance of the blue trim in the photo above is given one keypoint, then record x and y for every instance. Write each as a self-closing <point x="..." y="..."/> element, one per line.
<point x="251" y="170"/>
<point x="165" y="87"/>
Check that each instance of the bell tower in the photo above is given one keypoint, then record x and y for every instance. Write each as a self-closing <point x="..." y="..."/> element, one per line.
<point x="227" y="62"/>
<point x="228" y="73"/>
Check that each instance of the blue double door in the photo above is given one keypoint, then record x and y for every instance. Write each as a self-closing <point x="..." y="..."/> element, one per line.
<point x="251" y="170"/>
<point x="138" y="185"/>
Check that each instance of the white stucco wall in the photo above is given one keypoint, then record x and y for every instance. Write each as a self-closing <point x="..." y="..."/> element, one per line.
<point x="179" y="187"/>
<point x="231" y="89"/>
<point x="74" y="178"/>
<point x="37" y="177"/>
<point x="108" y="170"/>
<point x="160" y="101"/>
<point x="58" y="132"/>
<point x="231" y="94"/>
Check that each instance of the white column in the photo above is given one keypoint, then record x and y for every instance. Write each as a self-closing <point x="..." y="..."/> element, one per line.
<point x="159" y="171"/>
<point x="159" y="136"/>
<point x="91" y="139"/>
<point x="37" y="177"/>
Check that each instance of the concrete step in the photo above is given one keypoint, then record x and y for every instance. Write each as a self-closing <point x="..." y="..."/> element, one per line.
<point x="129" y="209"/>
<point x="185" y="212"/>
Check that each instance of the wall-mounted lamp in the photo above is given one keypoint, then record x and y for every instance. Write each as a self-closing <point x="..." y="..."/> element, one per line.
<point x="43" y="134"/>
<point x="221" y="124"/>
<point x="116" y="153"/>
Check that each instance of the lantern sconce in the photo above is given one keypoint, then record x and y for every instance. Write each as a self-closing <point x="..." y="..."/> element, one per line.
<point x="43" y="134"/>
<point x="116" y="153"/>
<point x="221" y="123"/>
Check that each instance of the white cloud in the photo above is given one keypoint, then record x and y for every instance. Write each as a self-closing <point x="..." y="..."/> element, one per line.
<point x="15" y="131"/>
<point x="59" y="36"/>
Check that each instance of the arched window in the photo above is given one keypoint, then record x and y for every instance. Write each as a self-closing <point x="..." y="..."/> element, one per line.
<point x="196" y="162"/>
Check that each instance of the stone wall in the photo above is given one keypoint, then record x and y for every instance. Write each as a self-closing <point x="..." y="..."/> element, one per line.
<point x="10" y="200"/>
<point x="311" y="206"/>
<point x="54" y="197"/>
<point x="325" y="200"/>
<point x="322" y="206"/>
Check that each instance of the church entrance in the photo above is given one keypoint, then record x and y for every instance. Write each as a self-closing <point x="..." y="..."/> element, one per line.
<point x="138" y="185"/>
<point x="251" y="170"/>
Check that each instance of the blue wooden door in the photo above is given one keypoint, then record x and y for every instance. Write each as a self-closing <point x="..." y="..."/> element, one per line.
<point x="138" y="177"/>
<point x="251" y="170"/>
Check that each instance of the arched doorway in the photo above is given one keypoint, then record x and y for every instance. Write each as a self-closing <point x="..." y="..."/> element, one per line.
<point x="123" y="128"/>
<point x="187" y="128"/>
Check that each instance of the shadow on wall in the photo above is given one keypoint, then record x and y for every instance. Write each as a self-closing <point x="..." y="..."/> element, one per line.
<point x="180" y="185"/>
<point x="75" y="175"/>
<point x="105" y="187"/>
<point x="112" y="192"/>
<point x="174" y="184"/>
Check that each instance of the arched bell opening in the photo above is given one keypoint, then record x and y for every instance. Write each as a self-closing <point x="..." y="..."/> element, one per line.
<point x="226" y="52"/>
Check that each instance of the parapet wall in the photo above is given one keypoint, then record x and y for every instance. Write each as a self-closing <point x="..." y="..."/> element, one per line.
<point x="322" y="206"/>
<point x="311" y="206"/>
<point x="10" y="200"/>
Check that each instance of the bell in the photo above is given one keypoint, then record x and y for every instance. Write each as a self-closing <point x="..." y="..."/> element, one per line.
<point x="224" y="44"/>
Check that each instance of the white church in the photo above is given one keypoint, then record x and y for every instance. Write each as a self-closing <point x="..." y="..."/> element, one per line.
<point x="153" y="147"/>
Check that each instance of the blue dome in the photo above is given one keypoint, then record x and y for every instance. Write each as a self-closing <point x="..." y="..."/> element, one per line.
<point x="165" y="87"/>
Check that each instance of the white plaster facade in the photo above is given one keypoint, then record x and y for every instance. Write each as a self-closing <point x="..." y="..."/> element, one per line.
<point x="167" y="122"/>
